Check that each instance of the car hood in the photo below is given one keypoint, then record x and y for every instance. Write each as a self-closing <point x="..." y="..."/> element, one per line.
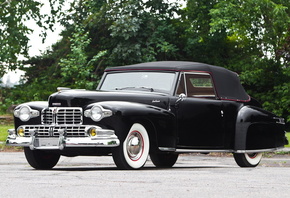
<point x="82" y="98"/>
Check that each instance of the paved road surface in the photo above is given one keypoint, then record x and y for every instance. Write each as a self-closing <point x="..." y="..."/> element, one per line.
<point x="192" y="176"/>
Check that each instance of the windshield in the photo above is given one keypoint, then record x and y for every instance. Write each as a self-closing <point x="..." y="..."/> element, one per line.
<point x="141" y="81"/>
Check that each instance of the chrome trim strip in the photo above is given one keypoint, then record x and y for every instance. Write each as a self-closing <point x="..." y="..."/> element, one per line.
<point x="166" y="149"/>
<point x="203" y="151"/>
<point x="224" y="150"/>
<point x="258" y="150"/>
<point x="279" y="120"/>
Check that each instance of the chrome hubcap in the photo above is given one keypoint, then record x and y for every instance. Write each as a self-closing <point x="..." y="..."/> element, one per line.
<point x="135" y="146"/>
<point x="252" y="155"/>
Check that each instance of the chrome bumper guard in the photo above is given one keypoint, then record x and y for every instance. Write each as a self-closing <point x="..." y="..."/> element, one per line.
<point x="106" y="139"/>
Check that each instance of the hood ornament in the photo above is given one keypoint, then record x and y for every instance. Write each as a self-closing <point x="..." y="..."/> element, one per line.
<point x="60" y="89"/>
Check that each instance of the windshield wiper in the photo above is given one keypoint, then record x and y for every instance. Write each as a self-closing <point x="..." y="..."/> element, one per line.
<point x="123" y="88"/>
<point x="137" y="88"/>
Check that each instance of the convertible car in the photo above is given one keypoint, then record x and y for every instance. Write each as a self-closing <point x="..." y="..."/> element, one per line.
<point x="156" y="109"/>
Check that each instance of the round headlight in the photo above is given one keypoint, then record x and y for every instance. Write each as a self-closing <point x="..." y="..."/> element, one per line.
<point x="96" y="113"/>
<point x="24" y="113"/>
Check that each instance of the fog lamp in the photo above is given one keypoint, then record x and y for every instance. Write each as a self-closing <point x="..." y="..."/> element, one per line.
<point x="93" y="131"/>
<point x="20" y="132"/>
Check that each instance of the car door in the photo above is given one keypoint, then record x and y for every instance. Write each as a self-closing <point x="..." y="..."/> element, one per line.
<point x="199" y="113"/>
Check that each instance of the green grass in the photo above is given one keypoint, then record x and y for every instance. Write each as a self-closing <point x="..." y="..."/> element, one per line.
<point x="3" y="131"/>
<point x="288" y="137"/>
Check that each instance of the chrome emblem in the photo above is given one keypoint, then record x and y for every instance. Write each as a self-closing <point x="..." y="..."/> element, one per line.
<point x="54" y="111"/>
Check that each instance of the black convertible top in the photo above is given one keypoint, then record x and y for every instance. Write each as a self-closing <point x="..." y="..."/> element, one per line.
<point x="227" y="83"/>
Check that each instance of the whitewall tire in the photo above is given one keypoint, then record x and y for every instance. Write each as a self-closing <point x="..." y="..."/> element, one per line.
<point x="133" y="151"/>
<point x="248" y="159"/>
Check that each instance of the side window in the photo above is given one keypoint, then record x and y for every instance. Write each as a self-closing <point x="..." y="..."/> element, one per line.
<point x="196" y="85"/>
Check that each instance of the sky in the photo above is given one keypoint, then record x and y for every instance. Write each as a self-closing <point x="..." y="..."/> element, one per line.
<point x="52" y="37"/>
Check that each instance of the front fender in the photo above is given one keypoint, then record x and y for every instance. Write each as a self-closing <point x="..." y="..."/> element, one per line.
<point x="160" y="123"/>
<point x="36" y="105"/>
<point x="258" y="129"/>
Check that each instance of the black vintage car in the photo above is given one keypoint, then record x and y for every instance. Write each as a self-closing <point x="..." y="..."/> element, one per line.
<point x="159" y="109"/>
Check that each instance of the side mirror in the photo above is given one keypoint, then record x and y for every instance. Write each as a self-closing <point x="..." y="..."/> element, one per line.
<point x="181" y="97"/>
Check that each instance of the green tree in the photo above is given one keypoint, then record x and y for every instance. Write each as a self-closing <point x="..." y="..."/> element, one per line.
<point x="75" y="67"/>
<point x="250" y="37"/>
<point x="200" y="44"/>
<point x="259" y="29"/>
<point x="142" y="31"/>
<point x="14" y="31"/>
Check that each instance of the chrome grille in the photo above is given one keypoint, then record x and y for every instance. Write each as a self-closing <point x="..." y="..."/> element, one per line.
<point x="53" y="131"/>
<point x="47" y="117"/>
<point x="43" y="130"/>
<point x="69" y="116"/>
<point x="71" y="131"/>
<point x="62" y="116"/>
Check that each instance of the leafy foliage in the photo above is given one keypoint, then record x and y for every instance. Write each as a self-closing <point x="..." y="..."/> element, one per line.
<point x="142" y="31"/>
<point x="14" y="31"/>
<point x="250" y="37"/>
<point x="259" y="29"/>
<point x="75" y="68"/>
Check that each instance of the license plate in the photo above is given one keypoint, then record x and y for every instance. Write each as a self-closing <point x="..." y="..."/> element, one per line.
<point x="46" y="142"/>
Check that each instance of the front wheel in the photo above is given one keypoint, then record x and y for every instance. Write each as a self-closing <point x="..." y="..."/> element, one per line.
<point x="248" y="159"/>
<point x="41" y="159"/>
<point x="133" y="151"/>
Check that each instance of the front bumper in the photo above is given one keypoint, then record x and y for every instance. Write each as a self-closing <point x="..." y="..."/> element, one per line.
<point x="34" y="141"/>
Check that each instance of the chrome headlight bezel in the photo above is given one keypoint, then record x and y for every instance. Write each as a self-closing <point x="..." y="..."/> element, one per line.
<point x="97" y="113"/>
<point x="25" y="113"/>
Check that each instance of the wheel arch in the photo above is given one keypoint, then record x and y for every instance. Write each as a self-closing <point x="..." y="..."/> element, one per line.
<point x="159" y="123"/>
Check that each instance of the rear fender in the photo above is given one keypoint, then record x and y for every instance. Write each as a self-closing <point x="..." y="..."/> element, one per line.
<point x="257" y="129"/>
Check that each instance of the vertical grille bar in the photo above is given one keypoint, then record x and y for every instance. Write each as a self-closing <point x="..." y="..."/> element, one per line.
<point x="47" y="117"/>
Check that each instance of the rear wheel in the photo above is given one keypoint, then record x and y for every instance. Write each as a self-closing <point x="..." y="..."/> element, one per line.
<point x="41" y="159"/>
<point x="163" y="160"/>
<point x="133" y="151"/>
<point x="248" y="159"/>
